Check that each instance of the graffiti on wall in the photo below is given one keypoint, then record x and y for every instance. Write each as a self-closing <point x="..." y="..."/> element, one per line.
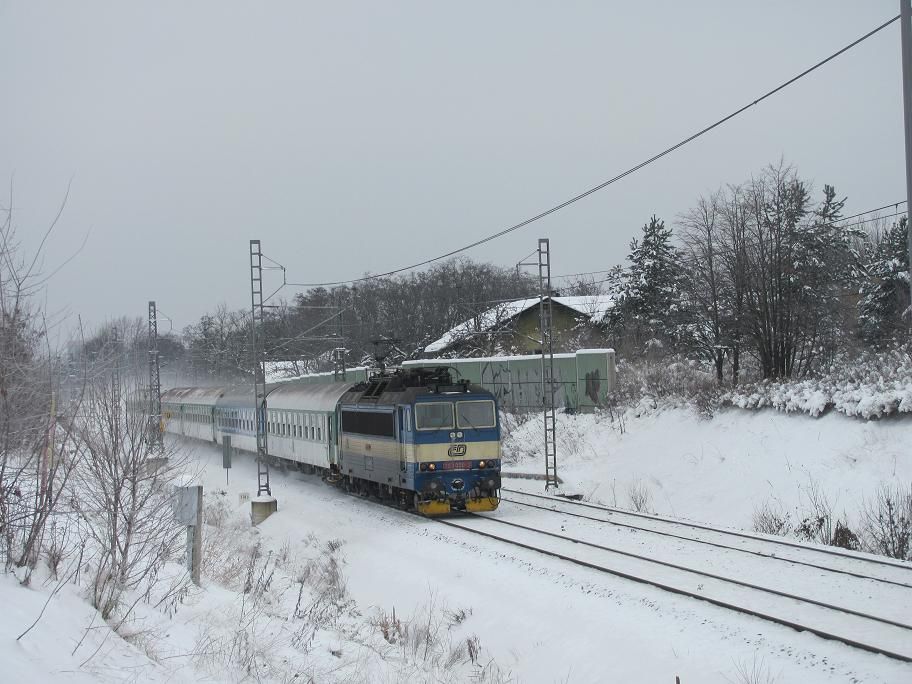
<point x="593" y="385"/>
<point x="521" y="388"/>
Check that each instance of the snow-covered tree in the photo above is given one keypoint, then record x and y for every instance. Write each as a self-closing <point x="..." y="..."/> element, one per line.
<point x="826" y="266"/>
<point x="650" y="307"/>
<point x="884" y="291"/>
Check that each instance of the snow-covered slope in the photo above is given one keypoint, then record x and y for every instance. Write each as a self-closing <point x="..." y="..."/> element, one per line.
<point x="720" y="470"/>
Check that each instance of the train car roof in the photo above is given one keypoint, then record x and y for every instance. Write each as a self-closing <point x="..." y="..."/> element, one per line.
<point x="409" y="395"/>
<point x="238" y="396"/>
<point x="206" y="396"/>
<point x="294" y="396"/>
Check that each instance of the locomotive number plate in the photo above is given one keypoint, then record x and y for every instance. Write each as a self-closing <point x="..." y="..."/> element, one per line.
<point x="457" y="465"/>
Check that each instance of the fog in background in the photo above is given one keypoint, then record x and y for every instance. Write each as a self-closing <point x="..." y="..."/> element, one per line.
<point x="354" y="137"/>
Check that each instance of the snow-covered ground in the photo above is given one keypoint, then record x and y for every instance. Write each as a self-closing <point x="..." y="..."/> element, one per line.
<point x="528" y="618"/>
<point x="720" y="470"/>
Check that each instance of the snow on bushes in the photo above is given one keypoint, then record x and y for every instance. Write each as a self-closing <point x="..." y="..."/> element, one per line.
<point x="874" y="385"/>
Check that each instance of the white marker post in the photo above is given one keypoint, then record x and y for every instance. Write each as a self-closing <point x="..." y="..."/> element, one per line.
<point x="188" y="510"/>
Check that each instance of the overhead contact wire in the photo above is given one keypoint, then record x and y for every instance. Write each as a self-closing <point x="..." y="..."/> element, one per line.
<point x="624" y="174"/>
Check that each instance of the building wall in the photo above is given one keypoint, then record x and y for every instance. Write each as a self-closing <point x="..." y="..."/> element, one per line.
<point x="583" y="379"/>
<point x="564" y="322"/>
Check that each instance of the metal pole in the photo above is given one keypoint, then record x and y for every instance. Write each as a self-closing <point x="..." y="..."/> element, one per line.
<point x="155" y="407"/>
<point x="905" y="23"/>
<point x="547" y="361"/>
<point x="259" y="367"/>
<point x="115" y="389"/>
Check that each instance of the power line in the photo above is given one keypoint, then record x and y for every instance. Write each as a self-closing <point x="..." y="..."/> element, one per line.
<point x="836" y="222"/>
<point x="870" y="211"/>
<point x="614" y="179"/>
<point x="872" y="219"/>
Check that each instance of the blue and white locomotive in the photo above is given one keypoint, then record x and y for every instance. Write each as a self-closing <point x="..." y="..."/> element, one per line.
<point x="412" y="437"/>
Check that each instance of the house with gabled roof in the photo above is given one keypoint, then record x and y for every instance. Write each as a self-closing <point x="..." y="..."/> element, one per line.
<point x="513" y="327"/>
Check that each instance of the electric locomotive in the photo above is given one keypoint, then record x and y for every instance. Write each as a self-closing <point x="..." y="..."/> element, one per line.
<point x="422" y="439"/>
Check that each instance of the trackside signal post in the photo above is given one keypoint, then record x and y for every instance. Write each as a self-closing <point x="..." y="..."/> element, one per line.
<point x="264" y="504"/>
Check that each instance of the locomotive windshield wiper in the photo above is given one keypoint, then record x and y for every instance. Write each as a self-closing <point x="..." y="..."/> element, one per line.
<point x="460" y="417"/>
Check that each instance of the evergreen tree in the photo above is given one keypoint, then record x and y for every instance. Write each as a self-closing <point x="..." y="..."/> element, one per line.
<point x="885" y="291"/>
<point x="650" y="296"/>
<point x="825" y="267"/>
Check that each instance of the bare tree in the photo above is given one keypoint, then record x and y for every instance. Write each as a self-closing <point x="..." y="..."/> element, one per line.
<point x="122" y="492"/>
<point x="705" y="278"/>
<point x="36" y="438"/>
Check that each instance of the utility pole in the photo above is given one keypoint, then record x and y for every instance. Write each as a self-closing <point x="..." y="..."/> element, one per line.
<point x="265" y="504"/>
<point x="156" y="437"/>
<point x="115" y="388"/>
<point x="339" y="352"/>
<point x="547" y="360"/>
<point x="905" y="22"/>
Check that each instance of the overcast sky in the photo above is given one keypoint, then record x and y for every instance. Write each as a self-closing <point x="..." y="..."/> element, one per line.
<point x="353" y="137"/>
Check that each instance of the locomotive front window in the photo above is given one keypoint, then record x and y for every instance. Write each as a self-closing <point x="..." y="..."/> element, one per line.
<point x="475" y="414"/>
<point x="434" y="415"/>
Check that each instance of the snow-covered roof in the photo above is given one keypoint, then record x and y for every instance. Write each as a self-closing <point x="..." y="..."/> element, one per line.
<point x="283" y="371"/>
<point x="596" y="307"/>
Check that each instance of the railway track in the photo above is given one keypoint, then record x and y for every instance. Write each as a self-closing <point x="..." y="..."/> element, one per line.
<point x="867" y="609"/>
<point x="880" y="569"/>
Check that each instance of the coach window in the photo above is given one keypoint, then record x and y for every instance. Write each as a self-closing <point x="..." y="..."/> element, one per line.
<point x="434" y="415"/>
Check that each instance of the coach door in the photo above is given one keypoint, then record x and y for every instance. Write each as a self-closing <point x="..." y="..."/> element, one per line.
<point x="403" y="428"/>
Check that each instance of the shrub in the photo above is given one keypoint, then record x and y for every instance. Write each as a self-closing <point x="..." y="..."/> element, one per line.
<point x="887" y="522"/>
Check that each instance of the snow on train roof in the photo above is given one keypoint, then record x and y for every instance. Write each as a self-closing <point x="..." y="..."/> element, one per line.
<point x="206" y="396"/>
<point x="297" y="396"/>
<point x="239" y="396"/>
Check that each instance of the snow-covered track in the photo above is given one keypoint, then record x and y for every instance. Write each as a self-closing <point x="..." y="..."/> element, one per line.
<point x="853" y="564"/>
<point x="888" y="635"/>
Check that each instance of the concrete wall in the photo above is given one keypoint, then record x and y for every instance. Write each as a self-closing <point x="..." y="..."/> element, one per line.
<point x="582" y="379"/>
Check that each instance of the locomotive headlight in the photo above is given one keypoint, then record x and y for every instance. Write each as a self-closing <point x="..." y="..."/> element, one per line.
<point x="452" y="435"/>
<point x="423" y="466"/>
<point x="432" y="466"/>
<point x="459" y="435"/>
<point x="481" y="464"/>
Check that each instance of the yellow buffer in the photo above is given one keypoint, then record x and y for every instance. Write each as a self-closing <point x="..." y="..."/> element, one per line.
<point x="433" y="507"/>
<point x="486" y="503"/>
